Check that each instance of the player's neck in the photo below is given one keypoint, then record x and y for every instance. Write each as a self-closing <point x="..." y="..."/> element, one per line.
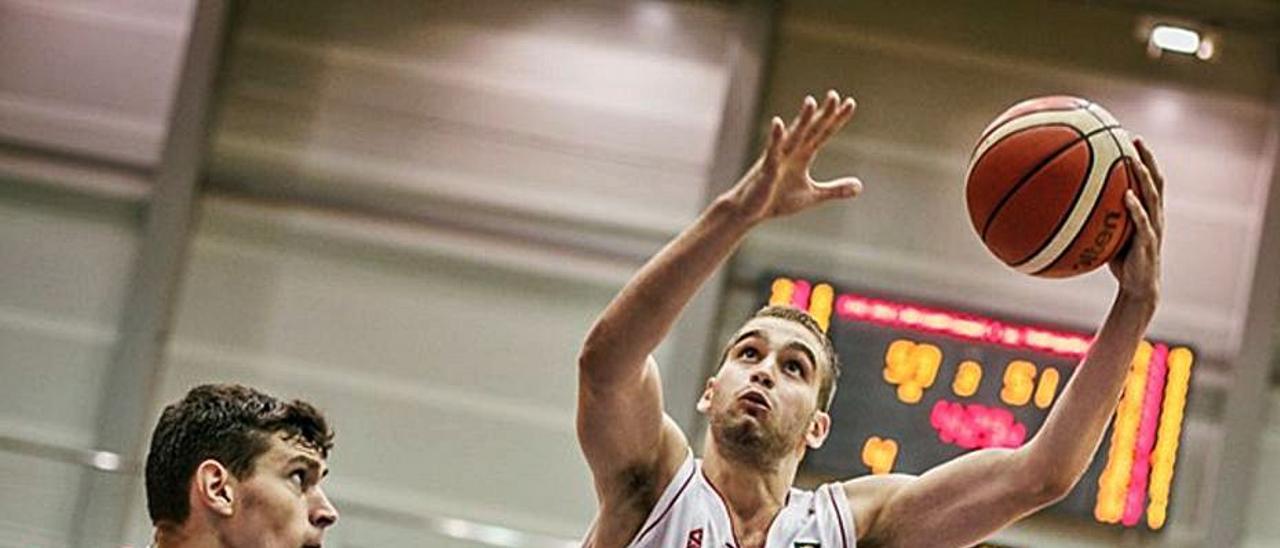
<point x="184" y="537"/>
<point x="750" y="491"/>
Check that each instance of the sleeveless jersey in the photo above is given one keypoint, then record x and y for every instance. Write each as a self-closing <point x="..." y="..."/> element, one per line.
<point x="692" y="514"/>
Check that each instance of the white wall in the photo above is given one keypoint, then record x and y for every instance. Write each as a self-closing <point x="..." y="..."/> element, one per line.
<point x="85" y="89"/>
<point x="90" y="78"/>
<point x="62" y="277"/>
<point x="1262" y="528"/>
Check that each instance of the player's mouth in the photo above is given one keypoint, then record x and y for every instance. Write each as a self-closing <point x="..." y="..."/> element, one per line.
<point x="755" y="402"/>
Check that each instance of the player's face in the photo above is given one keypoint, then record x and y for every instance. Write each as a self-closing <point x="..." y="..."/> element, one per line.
<point x="765" y="395"/>
<point x="281" y="503"/>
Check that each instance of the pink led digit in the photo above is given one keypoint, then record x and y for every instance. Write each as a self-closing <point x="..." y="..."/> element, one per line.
<point x="800" y="295"/>
<point x="975" y="426"/>
<point x="1152" y="399"/>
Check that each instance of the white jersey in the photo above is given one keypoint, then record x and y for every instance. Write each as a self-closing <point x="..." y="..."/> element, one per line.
<point x="692" y="514"/>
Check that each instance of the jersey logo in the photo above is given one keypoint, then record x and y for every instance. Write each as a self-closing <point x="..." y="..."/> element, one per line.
<point x="695" y="539"/>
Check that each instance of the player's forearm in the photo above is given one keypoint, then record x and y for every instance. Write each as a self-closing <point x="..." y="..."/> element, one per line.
<point x="638" y="318"/>
<point x="1065" y="445"/>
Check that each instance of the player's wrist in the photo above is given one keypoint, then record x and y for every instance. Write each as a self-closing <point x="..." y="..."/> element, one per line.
<point x="734" y="207"/>
<point x="1139" y="299"/>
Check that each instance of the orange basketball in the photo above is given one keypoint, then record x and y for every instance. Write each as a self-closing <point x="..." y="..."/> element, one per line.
<point x="1045" y="186"/>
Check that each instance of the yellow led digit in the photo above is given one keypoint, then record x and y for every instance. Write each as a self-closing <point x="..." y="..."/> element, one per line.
<point x="897" y="368"/>
<point x="910" y="392"/>
<point x="926" y="358"/>
<point x="912" y="367"/>
<point x="879" y="454"/>
<point x="820" y="302"/>
<point x="782" y="291"/>
<point x="968" y="378"/>
<point x="1019" y="381"/>
<point x="1113" y="484"/>
<point x="1047" y="388"/>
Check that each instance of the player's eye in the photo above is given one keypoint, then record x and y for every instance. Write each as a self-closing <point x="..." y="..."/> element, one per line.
<point x="299" y="478"/>
<point x="748" y="353"/>
<point x="794" y="367"/>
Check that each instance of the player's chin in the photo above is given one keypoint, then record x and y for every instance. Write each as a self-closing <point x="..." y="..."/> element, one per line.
<point x="738" y="414"/>
<point x="748" y="422"/>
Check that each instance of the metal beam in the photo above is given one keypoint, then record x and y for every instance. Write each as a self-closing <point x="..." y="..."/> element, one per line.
<point x="693" y="348"/>
<point x="1250" y="386"/>
<point x="101" y="518"/>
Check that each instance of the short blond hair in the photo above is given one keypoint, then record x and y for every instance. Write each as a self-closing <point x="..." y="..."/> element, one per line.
<point x="827" y="384"/>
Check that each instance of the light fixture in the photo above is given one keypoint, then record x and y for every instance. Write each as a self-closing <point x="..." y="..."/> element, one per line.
<point x="1177" y="37"/>
<point x="105" y="461"/>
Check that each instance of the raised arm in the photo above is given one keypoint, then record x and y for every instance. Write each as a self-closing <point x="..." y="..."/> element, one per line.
<point x="964" y="501"/>
<point x="620" y="418"/>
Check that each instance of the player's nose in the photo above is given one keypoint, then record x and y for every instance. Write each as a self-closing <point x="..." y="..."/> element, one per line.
<point x="763" y="376"/>
<point x="323" y="513"/>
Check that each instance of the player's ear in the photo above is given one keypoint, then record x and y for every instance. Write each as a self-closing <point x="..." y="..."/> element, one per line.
<point x="819" y="428"/>
<point x="212" y="487"/>
<point x="704" y="402"/>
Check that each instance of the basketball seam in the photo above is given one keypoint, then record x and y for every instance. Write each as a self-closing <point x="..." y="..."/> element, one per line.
<point x="1003" y="131"/>
<point x="1092" y="210"/>
<point x="1128" y="178"/>
<point x="986" y="225"/>
<point x="991" y="130"/>
<point x="1066" y="214"/>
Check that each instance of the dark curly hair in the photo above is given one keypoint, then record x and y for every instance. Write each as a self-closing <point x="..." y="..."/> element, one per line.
<point x="827" y="387"/>
<point x="229" y="423"/>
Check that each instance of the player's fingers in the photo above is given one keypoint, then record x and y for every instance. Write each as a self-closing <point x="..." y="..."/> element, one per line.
<point x="799" y="125"/>
<point x="1143" y="228"/>
<point x="1151" y="200"/>
<point x="1149" y="160"/>
<point x="846" y="187"/>
<point x="829" y="107"/>
<point x="842" y="116"/>
<point x="772" y="149"/>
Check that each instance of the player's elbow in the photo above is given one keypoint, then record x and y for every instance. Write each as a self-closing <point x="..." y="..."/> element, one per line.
<point x="593" y="363"/>
<point x="1049" y="486"/>
<point x="589" y="358"/>
<point x="593" y="348"/>
<point x="1046" y="477"/>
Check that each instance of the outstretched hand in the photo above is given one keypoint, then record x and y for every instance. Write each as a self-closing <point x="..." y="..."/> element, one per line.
<point x="1138" y="269"/>
<point x="779" y="183"/>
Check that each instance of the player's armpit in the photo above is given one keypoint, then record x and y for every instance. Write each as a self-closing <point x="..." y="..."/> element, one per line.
<point x="626" y="438"/>
<point x="633" y="449"/>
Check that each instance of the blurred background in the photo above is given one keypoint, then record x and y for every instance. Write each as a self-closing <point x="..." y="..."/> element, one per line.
<point x="409" y="212"/>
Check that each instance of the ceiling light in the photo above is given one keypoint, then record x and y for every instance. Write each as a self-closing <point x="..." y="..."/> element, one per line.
<point x="1175" y="39"/>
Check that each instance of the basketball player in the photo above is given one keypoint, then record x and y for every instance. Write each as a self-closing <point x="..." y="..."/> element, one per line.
<point x="767" y="403"/>
<point x="232" y="467"/>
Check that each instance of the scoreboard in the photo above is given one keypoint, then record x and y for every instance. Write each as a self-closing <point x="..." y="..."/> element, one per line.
<point x="921" y="385"/>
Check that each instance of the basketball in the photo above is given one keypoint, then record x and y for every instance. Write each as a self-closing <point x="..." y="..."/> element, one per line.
<point x="1045" y="186"/>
